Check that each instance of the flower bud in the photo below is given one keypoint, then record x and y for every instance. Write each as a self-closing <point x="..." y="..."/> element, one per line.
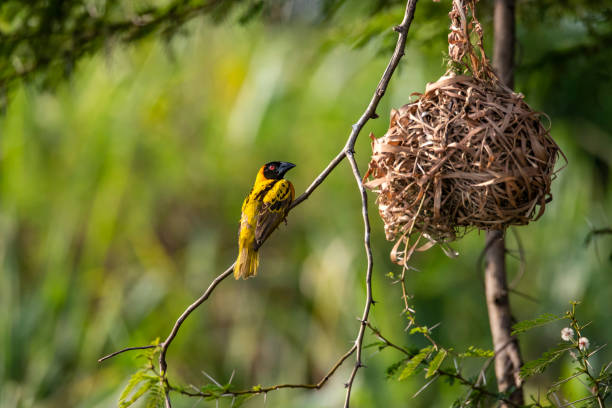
<point x="583" y="343"/>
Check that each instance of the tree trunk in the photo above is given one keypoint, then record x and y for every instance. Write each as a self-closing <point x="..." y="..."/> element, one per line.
<point x="508" y="356"/>
<point x="507" y="352"/>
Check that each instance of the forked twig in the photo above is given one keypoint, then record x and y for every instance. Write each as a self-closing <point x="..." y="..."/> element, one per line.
<point x="346" y="152"/>
<point x="265" y="390"/>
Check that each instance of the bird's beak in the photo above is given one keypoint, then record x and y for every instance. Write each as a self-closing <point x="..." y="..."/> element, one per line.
<point x="285" y="167"/>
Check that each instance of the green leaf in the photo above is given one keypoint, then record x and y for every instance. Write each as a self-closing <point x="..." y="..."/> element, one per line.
<point x="135" y="379"/>
<point x="539" y="365"/>
<point x="137" y="386"/>
<point x="436" y="362"/>
<point x="421" y="329"/>
<point x="525" y="325"/>
<point x="155" y="397"/>
<point x="477" y="352"/>
<point x="414" y="362"/>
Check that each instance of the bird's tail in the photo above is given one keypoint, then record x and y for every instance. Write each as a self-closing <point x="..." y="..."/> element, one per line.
<point x="247" y="263"/>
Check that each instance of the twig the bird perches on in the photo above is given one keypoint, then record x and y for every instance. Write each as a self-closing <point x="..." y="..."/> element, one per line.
<point x="346" y="152"/>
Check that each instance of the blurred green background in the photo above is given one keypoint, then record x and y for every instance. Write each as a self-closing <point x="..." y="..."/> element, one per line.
<point x="120" y="193"/>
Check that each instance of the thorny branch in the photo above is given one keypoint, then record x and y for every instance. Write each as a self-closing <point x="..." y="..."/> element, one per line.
<point x="265" y="390"/>
<point x="347" y="152"/>
<point x="440" y="372"/>
<point x="369" y="300"/>
<point x="595" y="391"/>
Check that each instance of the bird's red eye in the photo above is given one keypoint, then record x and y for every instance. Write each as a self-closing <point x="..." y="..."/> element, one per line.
<point x="272" y="167"/>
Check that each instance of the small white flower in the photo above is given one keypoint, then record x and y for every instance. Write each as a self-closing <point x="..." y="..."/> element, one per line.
<point x="567" y="334"/>
<point x="583" y="343"/>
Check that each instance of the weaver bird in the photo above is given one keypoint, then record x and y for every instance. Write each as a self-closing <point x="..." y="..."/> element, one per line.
<point x="263" y="209"/>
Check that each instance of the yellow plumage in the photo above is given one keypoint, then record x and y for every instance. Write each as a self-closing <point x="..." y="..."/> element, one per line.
<point x="262" y="210"/>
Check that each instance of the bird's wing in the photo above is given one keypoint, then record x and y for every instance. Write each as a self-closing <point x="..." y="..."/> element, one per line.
<point x="273" y="210"/>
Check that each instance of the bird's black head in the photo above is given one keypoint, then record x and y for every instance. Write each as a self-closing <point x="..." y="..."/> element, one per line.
<point x="276" y="170"/>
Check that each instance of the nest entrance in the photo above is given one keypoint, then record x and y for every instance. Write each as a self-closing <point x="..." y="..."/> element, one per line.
<point x="468" y="153"/>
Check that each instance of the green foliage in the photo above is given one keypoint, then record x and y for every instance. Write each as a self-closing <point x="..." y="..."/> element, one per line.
<point x="539" y="365"/>
<point x="413" y="364"/>
<point x="155" y="396"/>
<point x="435" y="363"/>
<point x="48" y="38"/>
<point x="139" y="384"/>
<point x="144" y="381"/>
<point x="420" y="329"/>
<point x="214" y="390"/>
<point x="577" y="347"/>
<point x="526" y="325"/>
<point x="473" y="351"/>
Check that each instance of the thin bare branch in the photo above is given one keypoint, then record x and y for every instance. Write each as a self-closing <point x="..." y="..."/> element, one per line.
<point x="398" y="53"/>
<point x="330" y="167"/>
<point x="349" y="151"/>
<point x="163" y="365"/>
<point x="265" y="390"/>
<point x="124" y="350"/>
<point x="179" y="322"/>
<point x="369" y="301"/>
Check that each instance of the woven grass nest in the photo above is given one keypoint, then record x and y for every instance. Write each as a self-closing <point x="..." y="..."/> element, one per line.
<point x="468" y="153"/>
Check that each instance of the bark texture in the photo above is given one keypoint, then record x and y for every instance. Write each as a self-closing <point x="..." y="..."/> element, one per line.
<point x="507" y="353"/>
<point x="504" y="45"/>
<point x="508" y="357"/>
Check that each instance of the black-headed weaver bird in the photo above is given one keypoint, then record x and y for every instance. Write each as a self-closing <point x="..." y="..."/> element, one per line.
<point x="263" y="209"/>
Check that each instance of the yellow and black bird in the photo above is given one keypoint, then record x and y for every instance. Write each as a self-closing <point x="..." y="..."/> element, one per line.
<point x="263" y="209"/>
